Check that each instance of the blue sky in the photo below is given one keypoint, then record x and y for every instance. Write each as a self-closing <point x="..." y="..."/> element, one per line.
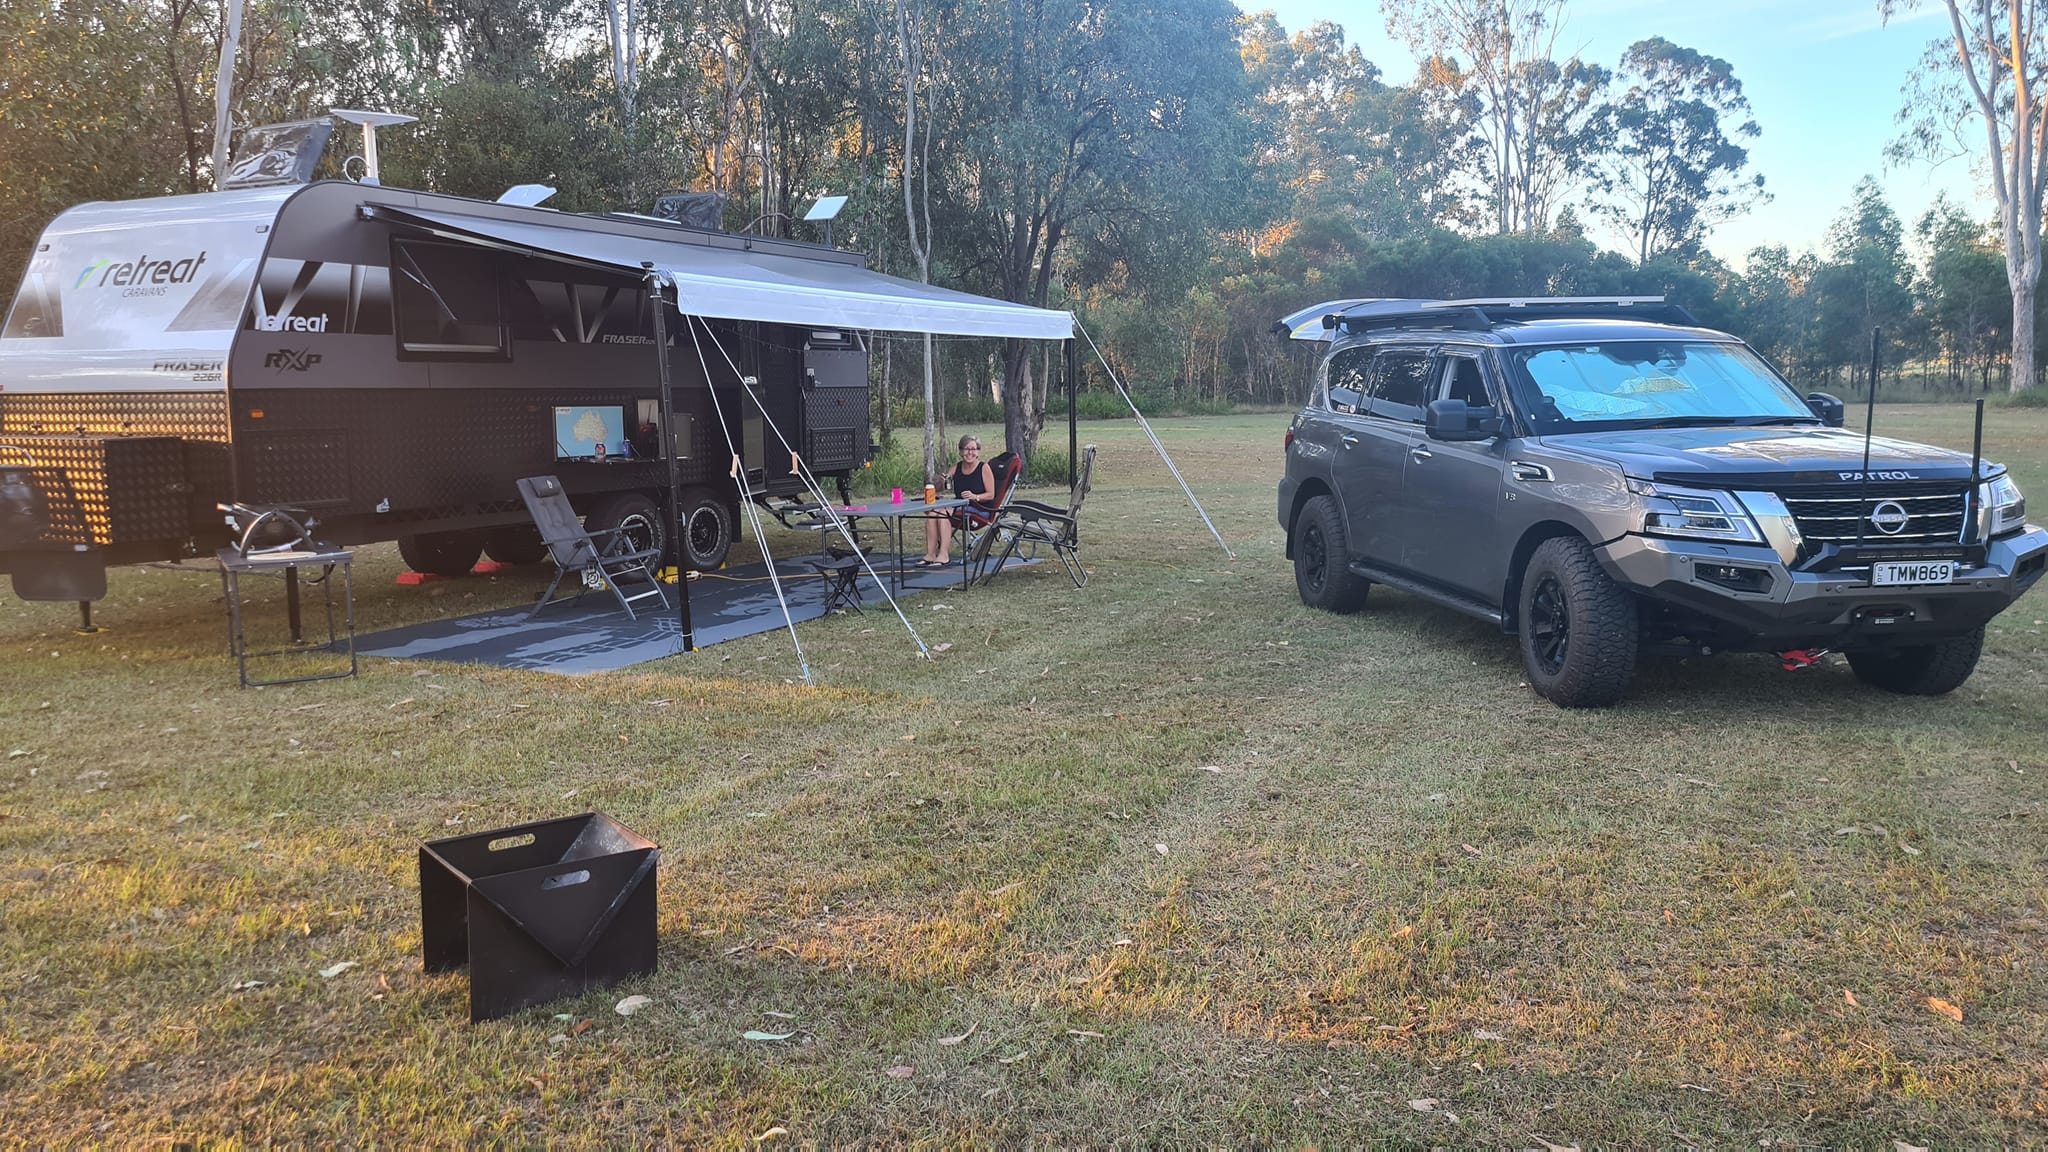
<point x="1824" y="79"/>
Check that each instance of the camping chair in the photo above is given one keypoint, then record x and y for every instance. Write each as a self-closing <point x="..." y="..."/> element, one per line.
<point x="977" y="539"/>
<point x="1027" y="522"/>
<point x="598" y="557"/>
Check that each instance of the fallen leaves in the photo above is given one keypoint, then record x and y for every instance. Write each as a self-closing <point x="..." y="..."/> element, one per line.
<point x="631" y="1004"/>
<point x="954" y="1041"/>
<point x="330" y="973"/>
<point x="766" y="1037"/>
<point x="899" y="1072"/>
<point x="1426" y="1104"/>
<point x="774" y="1133"/>
<point x="1159" y="848"/>
<point x="1403" y="932"/>
<point x="1938" y="1005"/>
<point x="1849" y="998"/>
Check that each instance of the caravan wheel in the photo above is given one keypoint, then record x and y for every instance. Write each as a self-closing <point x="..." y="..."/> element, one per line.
<point x="638" y="517"/>
<point x="515" y="544"/>
<point x="442" y="553"/>
<point x="708" y="528"/>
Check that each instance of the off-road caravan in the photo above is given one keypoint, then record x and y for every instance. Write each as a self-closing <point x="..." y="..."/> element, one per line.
<point x="392" y="362"/>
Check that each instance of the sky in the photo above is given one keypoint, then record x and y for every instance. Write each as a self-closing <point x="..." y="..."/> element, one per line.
<point x="1824" y="79"/>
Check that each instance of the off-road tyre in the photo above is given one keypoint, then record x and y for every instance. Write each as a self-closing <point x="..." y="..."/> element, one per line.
<point x="448" y="554"/>
<point x="710" y="525"/>
<point x="1921" y="669"/>
<point x="645" y="526"/>
<point x="1577" y="627"/>
<point x="515" y="544"/>
<point x="1322" y="572"/>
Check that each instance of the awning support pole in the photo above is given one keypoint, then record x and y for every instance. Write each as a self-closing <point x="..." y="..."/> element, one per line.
<point x="1156" y="445"/>
<point x="747" y="503"/>
<point x="810" y="479"/>
<point x="1073" y="427"/>
<point x="668" y="452"/>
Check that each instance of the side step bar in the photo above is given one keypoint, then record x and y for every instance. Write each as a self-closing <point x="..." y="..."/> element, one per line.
<point x="1452" y="600"/>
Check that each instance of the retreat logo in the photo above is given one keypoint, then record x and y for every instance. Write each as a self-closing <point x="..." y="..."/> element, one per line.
<point x="142" y="276"/>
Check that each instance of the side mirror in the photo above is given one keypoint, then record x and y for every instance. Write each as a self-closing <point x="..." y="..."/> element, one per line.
<point x="1457" y="420"/>
<point x="1828" y="408"/>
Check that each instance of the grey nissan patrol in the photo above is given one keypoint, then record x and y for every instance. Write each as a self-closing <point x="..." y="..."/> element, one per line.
<point x="1604" y="478"/>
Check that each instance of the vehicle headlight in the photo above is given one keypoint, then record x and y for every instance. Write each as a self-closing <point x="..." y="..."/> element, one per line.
<point x="2008" y="509"/>
<point x="1694" y="513"/>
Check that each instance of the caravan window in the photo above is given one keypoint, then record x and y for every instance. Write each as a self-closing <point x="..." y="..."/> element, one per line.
<point x="447" y="301"/>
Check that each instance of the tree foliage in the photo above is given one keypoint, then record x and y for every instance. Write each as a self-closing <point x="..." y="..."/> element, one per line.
<point x="1672" y="168"/>
<point x="1178" y="173"/>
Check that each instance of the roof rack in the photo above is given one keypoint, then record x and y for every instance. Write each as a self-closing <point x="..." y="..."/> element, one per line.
<point x="1484" y="313"/>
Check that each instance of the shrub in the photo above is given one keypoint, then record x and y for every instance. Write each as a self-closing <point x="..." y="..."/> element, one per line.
<point x="2035" y="397"/>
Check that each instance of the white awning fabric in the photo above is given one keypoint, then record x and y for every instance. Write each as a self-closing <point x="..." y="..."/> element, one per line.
<point x="730" y="284"/>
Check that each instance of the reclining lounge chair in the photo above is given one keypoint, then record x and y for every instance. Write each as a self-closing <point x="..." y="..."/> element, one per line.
<point x="605" y="556"/>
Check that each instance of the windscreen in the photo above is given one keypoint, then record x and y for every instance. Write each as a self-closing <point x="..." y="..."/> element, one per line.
<point x="1646" y="383"/>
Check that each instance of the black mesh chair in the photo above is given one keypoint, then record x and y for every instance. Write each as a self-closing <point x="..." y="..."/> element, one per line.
<point x="1027" y="523"/>
<point x="605" y="557"/>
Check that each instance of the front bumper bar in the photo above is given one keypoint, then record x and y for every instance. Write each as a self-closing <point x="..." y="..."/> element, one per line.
<point x="1798" y="609"/>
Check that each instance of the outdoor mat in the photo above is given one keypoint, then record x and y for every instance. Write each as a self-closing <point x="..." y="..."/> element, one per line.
<point x="594" y="635"/>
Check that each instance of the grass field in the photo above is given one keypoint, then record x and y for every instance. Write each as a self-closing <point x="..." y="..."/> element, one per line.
<point x="1185" y="863"/>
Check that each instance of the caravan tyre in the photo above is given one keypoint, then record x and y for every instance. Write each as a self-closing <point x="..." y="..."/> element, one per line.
<point x="709" y="526"/>
<point x="637" y="517"/>
<point x="448" y="554"/>
<point x="515" y="544"/>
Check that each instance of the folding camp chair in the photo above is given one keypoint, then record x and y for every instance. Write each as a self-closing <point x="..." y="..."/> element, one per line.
<point x="977" y="539"/>
<point x="1027" y="522"/>
<point x="597" y="557"/>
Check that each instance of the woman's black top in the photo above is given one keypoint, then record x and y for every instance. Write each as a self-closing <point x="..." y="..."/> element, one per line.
<point x="969" y="482"/>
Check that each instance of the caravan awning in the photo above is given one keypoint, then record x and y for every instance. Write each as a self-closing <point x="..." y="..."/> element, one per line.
<point x="730" y="284"/>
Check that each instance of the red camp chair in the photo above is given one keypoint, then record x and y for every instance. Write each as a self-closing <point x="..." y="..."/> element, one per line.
<point x="978" y="531"/>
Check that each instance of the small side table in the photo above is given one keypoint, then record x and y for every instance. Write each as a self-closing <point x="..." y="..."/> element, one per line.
<point x="235" y="564"/>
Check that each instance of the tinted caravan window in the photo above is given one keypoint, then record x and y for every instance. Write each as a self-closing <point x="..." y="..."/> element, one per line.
<point x="447" y="302"/>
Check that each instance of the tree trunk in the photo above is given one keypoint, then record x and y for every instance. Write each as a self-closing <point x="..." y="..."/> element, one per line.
<point x="888" y="365"/>
<point x="931" y="417"/>
<point x="1016" y="416"/>
<point x="2023" y="330"/>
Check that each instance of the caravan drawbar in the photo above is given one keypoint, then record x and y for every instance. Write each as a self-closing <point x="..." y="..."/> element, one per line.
<point x="392" y="362"/>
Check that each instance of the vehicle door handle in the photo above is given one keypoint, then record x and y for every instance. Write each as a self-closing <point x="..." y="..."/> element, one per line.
<point x="1420" y="453"/>
<point x="1350" y="441"/>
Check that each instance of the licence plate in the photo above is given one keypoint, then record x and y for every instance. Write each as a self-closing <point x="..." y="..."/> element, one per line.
<point x="1925" y="572"/>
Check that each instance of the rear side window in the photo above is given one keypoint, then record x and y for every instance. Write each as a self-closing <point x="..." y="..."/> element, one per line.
<point x="1400" y="385"/>
<point x="1348" y="379"/>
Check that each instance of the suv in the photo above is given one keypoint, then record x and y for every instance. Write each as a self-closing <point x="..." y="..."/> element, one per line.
<point x="1603" y="478"/>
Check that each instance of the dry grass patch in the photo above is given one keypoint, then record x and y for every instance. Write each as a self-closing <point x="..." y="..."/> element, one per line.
<point x="1712" y="916"/>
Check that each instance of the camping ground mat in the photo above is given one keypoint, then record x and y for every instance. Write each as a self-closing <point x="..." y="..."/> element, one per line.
<point x="594" y="635"/>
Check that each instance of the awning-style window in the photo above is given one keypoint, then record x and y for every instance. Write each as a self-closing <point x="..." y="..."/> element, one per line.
<point x="730" y="284"/>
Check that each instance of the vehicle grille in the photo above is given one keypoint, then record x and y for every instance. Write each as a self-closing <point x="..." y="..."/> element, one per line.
<point x="1831" y="513"/>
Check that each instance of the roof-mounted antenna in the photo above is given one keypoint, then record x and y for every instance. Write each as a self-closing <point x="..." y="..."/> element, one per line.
<point x="371" y="121"/>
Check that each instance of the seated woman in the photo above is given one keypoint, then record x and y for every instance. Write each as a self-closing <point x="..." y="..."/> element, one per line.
<point x="974" y="482"/>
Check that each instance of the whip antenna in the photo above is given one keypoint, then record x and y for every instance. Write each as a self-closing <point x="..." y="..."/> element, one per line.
<point x="1869" y="417"/>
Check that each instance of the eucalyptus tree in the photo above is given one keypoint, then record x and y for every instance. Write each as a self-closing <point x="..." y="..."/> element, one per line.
<point x="1991" y="72"/>
<point x="1116" y="127"/>
<point x="1671" y="168"/>
<point x="1537" y="113"/>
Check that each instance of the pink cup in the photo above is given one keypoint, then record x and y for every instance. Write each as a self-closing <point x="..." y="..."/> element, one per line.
<point x="895" y="495"/>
